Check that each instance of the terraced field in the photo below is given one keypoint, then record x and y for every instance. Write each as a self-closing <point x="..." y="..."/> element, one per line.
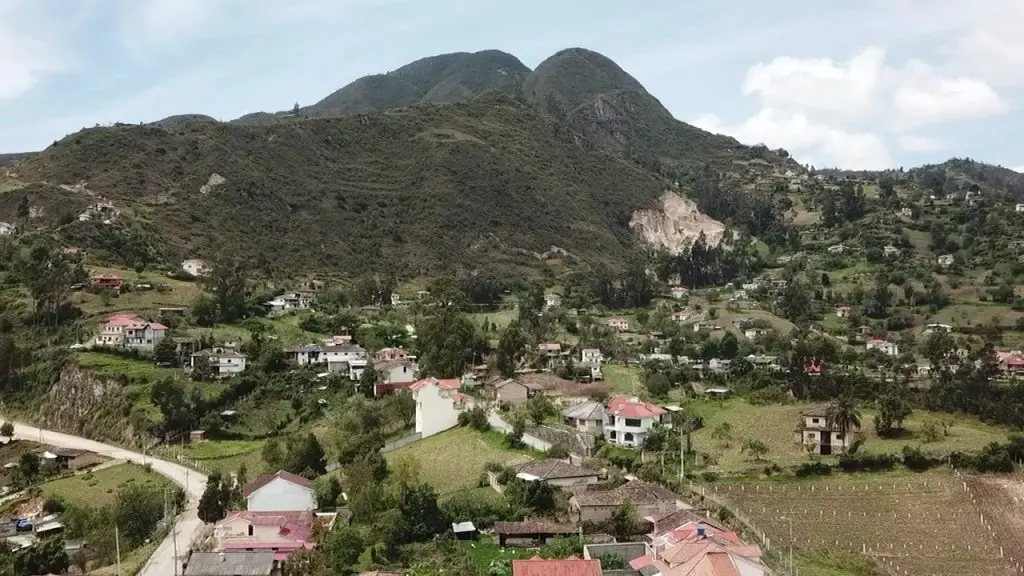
<point x="914" y="524"/>
<point x="999" y="500"/>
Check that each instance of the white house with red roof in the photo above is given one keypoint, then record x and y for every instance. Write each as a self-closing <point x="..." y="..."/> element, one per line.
<point x="129" y="330"/>
<point x="618" y="323"/>
<point x="700" y="551"/>
<point x="883" y="346"/>
<point x="279" y="492"/>
<point x="438" y="404"/>
<point x="630" y="419"/>
<point x="1012" y="362"/>
<point x="280" y="532"/>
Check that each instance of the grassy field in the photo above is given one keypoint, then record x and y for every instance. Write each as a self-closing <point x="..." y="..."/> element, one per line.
<point x="487" y="551"/>
<point x="775" y="425"/>
<point x="975" y="314"/>
<point x="100" y="488"/>
<point x="624" y="379"/>
<point x="177" y="293"/>
<point x="223" y="455"/>
<point x="501" y="318"/>
<point x="285" y="329"/>
<point x="133" y="368"/>
<point x="454" y="460"/>
<point x="780" y="325"/>
<point x="915" y="521"/>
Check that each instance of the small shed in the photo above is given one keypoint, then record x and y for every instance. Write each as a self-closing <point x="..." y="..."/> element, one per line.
<point x="464" y="530"/>
<point x="197" y="436"/>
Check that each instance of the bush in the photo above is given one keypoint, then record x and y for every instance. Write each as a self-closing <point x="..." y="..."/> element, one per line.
<point x="918" y="461"/>
<point x="558" y="450"/>
<point x="866" y="462"/>
<point x="709" y="476"/>
<point x="813" y="469"/>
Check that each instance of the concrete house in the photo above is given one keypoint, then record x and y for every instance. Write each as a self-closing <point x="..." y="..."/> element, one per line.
<point x="514" y="392"/>
<point x="223" y="362"/>
<point x="552" y="300"/>
<point x="549" y="350"/>
<point x="585" y="417"/>
<point x="391" y="354"/>
<point x="290" y="301"/>
<point x="755" y="333"/>
<point x="836" y="249"/>
<point x="884" y="346"/>
<point x="107" y="280"/>
<point x="678" y="292"/>
<point x="591" y="355"/>
<point x="556" y="472"/>
<point x="195" y="267"/>
<point x="130" y="331"/>
<point x="279" y="492"/>
<point x="680" y="316"/>
<point x="255" y="563"/>
<point x="843" y="311"/>
<point x="946" y="260"/>
<point x="396" y="371"/>
<point x="620" y="324"/>
<point x="279" y="532"/>
<point x="630" y="419"/>
<point x="649" y="500"/>
<point x="438" y="405"/>
<point x="890" y="251"/>
<point x="816" y="433"/>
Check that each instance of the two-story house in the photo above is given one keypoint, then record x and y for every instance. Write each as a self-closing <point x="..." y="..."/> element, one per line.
<point x="221" y="362"/>
<point x="549" y="350"/>
<point x="631" y="419"/>
<point x="106" y="280"/>
<point x="591" y="355"/>
<point x="438" y="405"/>
<point x="884" y="346"/>
<point x="618" y="323"/>
<point x="820" y="436"/>
<point x="290" y="301"/>
<point x="394" y="375"/>
<point x="391" y="354"/>
<point x="128" y="330"/>
<point x="946" y="260"/>
<point x="279" y="492"/>
<point x="588" y="417"/>
<point x="195" y="267"/>
<point x="552" y="300"/>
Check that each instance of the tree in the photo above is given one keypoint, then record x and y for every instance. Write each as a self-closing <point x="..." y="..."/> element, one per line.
<point x="623" y="523"/>
<point x="842" y="415"/>
<point x="893" y="408"/>
<point x="446" y="341"/>
<point x="755" y="448"/>
<point x="137" y="511"/>
<point x="165" y="352"/>
<point x="341" y="549"/>
<point x="29" y="466"/>
<point x="305" y="456"/>
<point x="226" y="282"/>
<point x="327" y="490"/>
<point x="404" y="406"/>
<point x="272" y="454"/>
<point x="212" y="507"/>
<point x="729" y="346"/>
<point x="510" y="349"/>
<point x="539" y="408"/>
<point x="7" y="429"/>
<point x="369" y="380"/>
<point x="657" y="384"/>
<point x="723" y="433"/>
<point x="422" y="518"/>
<point x="48" y="557"/>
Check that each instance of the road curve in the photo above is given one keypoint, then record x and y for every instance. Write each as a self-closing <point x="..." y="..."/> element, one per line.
<point x="162" y="562"/>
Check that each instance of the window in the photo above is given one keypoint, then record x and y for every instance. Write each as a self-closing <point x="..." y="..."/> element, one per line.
<point x="611" y="420"/>
<point x="814" y="420"/>
<point x="811" y="436"/>
<point x="628" y="437"/>
<point x="250" y="529"/>
<point x="634" y="422"/>
<point x="612" y="434"/>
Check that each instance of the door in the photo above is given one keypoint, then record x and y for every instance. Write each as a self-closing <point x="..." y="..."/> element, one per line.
<point x="825" y="448"/>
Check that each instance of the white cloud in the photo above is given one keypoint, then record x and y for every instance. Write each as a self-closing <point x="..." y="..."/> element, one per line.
<point x="1019" y="169"/>
<point x="912" y="143"/>
<point x="811" y="142"/>
<point x="992" y="46"/>
<point x="25" y="61"/>
<point x="819" y="85"/>
<point x="924" y="97"/>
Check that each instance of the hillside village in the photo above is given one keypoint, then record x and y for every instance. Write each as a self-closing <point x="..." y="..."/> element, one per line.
<point x="701" y="359"/>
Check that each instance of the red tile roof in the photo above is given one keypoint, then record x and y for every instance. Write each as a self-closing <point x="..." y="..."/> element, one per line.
<point x="262" y="481"/>
<point x="445" y="384"/>
<point x="627" y="407"/>
<point x="571" y="566"/>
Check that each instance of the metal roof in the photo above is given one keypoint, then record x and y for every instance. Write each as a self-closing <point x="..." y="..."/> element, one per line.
<point x="230" y="563"/>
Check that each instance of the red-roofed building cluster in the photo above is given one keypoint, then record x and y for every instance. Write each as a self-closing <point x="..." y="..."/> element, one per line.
<point x="629" y="420"/>
<point x="129" y="330"/>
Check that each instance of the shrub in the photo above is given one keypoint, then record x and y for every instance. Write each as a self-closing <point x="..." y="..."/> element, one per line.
<point x="866" y="462"/>
<point x="918" y="461"/>
<point x="812" y="469"/>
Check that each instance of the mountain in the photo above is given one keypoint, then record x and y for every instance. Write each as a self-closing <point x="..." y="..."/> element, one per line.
<point x="11" y="158"/>
<point x="954" y="173"/>
<point x="377" y="177"/>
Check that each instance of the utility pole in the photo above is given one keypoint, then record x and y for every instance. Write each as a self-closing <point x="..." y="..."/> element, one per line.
<point x="682" y="455"/>
<point x="174" y="539"/>
<point x="117" y="547"/>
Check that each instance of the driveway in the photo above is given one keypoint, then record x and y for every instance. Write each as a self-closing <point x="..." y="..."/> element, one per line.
<point x="162" y="563"/>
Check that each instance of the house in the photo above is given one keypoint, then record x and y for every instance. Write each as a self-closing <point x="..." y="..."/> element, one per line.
<point x="549" y="349"/>
<point x="394" y="374"/>
<point x="946" y="260"/>
<point x="890" y="250"/>
<point x="130" y="331"/>
<point x="843" y="311"/>
<point x="591" y="369"/>
<point x="221" y="362"/>
<point x="556" y="473"/>
<point x="907" y="212"/>
<point x="884" y="346"/>
<point x="680" y="316"/>
<point x="349" y="358"/>
<point x="738" y="295"/>
<point x="585" y="417"/>
<point x="591" y="355"/>
<point x="1010" y="362"/>
<point x="290" y="301"/>
<point x="618" y="323"/>
<point x="390" y="353"/>
<point x="678" y="292"/>
<point x="631" y="419"/>
<point x="106" y="280"/>
<point x="552" y="300"/>
<point x="823" y="438"/>
<point x="195" y="267"/>
<point x="944" y="328"/>
<point x="279" y="492"/>
<point x="241" y="563"/>
<point x="396" y="300"/>
<point x="703" y="552"/>
<point x="571" y="566"/>
<point x="279" y="532"/>
<point x="515" y="392"/>
<point x="751" y="286"/>
<point x="755" y="333"/>
<point x="7" y="229"/>
<point x="648" y="500"/>
<point x="438" y="405"/>
<point x="1018" y="291"/>
<point x="836" y="249"/>
<point x="72" y="460"/>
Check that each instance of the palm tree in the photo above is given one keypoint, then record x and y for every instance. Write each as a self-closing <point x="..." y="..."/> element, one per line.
<point x="842" y="415"/>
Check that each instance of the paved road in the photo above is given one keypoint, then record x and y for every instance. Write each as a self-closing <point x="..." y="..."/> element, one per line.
<point x="163" y="562"/>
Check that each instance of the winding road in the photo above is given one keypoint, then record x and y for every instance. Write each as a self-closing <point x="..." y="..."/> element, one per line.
<point x="163" y="561"/>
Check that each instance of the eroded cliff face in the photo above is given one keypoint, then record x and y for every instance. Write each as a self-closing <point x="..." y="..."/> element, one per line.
<point x="85" y="404"/>
<point x="674" y="224"/>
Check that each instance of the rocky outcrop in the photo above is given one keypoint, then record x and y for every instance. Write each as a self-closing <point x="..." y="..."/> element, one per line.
<point x="85" y="404"/>
<point x="674" y="224"/>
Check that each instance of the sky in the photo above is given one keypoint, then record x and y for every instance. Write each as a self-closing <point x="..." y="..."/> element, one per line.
<point x="864" y="84"/>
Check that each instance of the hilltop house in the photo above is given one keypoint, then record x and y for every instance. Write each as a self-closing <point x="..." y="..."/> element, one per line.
<point x="884" y="346"/>
<point x="195" y="267"/>
<point x="396" y="371"/>
<point x="556" y="473"/>
<point x="930" y="328"/>
<point x="290" y="301"/>
<point x="618" y="323"/>
<point x="755" y="333"/>
<point x="679" y="292"/>
<point x="279" y="492"/>
<point x="128" y="330"/>
<point x="680" y="316"/>
<point x="591" y="355"/>
<point x="836" y="249"/>
<point x="822" y="438"/>
<point x="106" y="280"/>
<point x="907" y="212"/>
<point x="1011" y="362"/>
<point x="585" y="417"/>
<point x="220" y="362"/>
<point x="549" y="350"/>
<point x="843" y="311"/>
<point x="946" y="260"/>
<point x="631" y="419"/>
<point x="552" y="300"/>
<point x="1019" y="208"/>
<point x="438" y="405"/>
